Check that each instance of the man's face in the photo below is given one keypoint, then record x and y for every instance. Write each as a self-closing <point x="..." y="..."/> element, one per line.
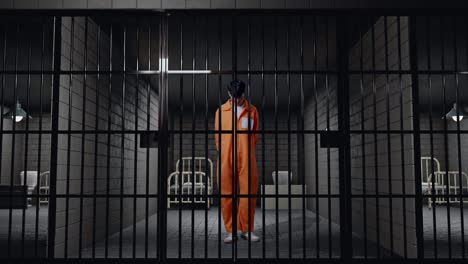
<point x="239" y="100"/>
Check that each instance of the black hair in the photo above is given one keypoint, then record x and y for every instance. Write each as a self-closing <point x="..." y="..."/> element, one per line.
<point x="236" y="88"/>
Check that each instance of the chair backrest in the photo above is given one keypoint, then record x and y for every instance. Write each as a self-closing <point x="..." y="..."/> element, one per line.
<point x="428" y="166"/>
<point x="31" y="178"/>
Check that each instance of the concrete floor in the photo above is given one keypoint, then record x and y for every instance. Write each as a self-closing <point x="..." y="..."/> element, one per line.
<point x="441" y="241"/>
<point x="216" y="249"/>
<point x="226" y="251"/>
<point x="29" y="232"/>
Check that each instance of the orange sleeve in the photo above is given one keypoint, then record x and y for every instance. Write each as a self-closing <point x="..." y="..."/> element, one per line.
<point x="255" y="128"/>
<point x="217" y="129"/>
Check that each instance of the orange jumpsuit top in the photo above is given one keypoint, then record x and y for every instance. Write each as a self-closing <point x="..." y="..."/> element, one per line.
<point x="242" y="174"/>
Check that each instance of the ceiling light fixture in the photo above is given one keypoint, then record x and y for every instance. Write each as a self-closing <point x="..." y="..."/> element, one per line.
<point x="457" y="114"/>
<point x="17" y="113"/>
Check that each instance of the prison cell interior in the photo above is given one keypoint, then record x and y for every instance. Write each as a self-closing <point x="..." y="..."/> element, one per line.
<point x="76" y="182"/>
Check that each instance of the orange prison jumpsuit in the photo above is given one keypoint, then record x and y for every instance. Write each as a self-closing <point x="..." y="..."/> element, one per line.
<point x="242" y="170"/>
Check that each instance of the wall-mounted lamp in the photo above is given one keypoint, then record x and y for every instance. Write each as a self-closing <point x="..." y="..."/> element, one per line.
<point x="456" y="115"/>
<point x="17" y="113"/>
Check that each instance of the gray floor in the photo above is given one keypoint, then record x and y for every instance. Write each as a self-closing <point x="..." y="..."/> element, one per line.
<point x="214" y="248"/>
<point x="441" y="241"/>
<point x="29" y="232"/>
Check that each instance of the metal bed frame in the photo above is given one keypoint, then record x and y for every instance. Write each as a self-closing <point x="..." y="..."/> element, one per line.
<point x="444" y="183"/>
<point x="182" y="180"/>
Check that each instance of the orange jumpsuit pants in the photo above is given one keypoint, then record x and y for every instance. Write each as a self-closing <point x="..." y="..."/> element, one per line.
<point x="237" y="180"/>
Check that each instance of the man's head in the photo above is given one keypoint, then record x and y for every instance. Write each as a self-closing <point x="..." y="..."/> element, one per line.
<point x="236" y="88"/>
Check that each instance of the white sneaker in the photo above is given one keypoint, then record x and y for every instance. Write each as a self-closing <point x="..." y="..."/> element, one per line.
<point x="228" y="239"/>
<point x="253" y="237"/>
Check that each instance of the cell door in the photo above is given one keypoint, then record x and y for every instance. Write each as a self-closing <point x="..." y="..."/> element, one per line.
<point x="286" y="188"/>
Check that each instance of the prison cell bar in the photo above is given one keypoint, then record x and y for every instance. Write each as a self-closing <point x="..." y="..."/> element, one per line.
<point x="316" y="139"/>
<point x="302" y="139"/>
<point x="457" y="99"/>
<point x="147" y="177"/>
<point x="135" y="154"/>
<point x="363" y="140"/>
<point x="289" y="136"/>
<point x="442" y="40"/>
<point x="276" y="136"/>
<point x="389" y="143"/>
<point x="109" y="94"/>
<point x="3" y="94"/>
<point x="194" y="50"/>
<point x="28" y="87"/>
<point x="181" y="117"/>
<point x="429" y="66"/>
<point x="207" y="200"/>
<point x="10" y="210"/>
<point x="83" y="127"/>
<point x="234" y="163"/>
<point x="327" y="88"/>
<point x="376" y="162"/>
<point x="402" y="137"/>
<point x="70" y="100"/>
<point x="416" y="137"/>
<point x="56" y="58"/>
<point x="96" y="138"/>
<point x="41" y="86"/>
<point x="249" y="128"/>
<point x="262" y="119"/>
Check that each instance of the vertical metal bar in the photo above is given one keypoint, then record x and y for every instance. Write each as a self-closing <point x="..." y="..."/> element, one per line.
<point x="39" y="150"/>
<point x="302" y="139"/>
<point x="328" y="149"/>
<point x="2" y="105"/>
<point x="57" y="53"/>
<point x="263" y="140"/>
<point x="389" y="143"/>
<point x="363" y="140"/>
<point x="135" y="164"/>
<point x="26" y="145"/>
<point x="402" y="138"/>
<point x="193" y="176"/>
<point x="316" y="140"/>
<point x="69" y="117"/>
<point x="416" y="135"/>
<point x="444" y="95"/>
<point x="181" y="123"/>
<point x="460" y="179"/>
<point x="344" y="151"/>
<point x="235" y="173"/>
<point x="220" y="57"/>
<point x="207" y="199"/>
<point x="122" y="140"/>
<point x="148" y="116"/>
<point x="163" y="144"/>
<point x="249" y="130"/>
<point x="12" y="170"/>
<point x="276" y="140"/>
<point x="288" y="77"/>
<point x="96" y="138"/>
<point x="376" y="161"/>
<point x="109" y="101"/>
<point x="432" y="199"/>
<point x="83" y="138"/>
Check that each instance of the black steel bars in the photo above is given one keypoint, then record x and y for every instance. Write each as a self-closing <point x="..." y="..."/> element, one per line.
<point x="389" y="142"/>
<point x="416" y="136"/>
